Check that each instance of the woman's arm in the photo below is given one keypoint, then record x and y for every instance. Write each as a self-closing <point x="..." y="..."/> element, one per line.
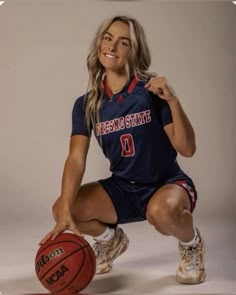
<point x="72" y="177"/>
<point x="74" y="168"/>
<point x="180" y="131"/>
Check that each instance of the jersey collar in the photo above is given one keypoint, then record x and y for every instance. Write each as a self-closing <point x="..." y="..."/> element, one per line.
<point x="129" y="87"/>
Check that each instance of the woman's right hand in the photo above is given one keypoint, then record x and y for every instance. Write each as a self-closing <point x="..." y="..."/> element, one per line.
<point x="64" y="221"/>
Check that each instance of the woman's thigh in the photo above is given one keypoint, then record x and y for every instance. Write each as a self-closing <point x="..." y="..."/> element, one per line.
<point x="93" y="203"/>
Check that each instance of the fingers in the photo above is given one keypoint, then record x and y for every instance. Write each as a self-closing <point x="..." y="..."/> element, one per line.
<point x="58" y="229"/>
<point x="161" y="87"/>
<point x="50" y="236"/>
<point x="156" y="89"/>
<point x="154" y="83"/>
<point x="44" y="240"/>
<point x="147" y="85"/>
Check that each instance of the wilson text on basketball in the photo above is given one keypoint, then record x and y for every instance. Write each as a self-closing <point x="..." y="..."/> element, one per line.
<point x="44" y="259"/>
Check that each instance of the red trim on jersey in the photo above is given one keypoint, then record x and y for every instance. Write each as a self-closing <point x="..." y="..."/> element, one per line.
<point x="129" y="90"/>
<point x="107" y="89"/>
<point x="132" y="85"/>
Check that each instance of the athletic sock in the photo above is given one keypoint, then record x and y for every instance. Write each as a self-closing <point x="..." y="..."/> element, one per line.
<point x="196" y="239"/>
<point x="107" y="235"/>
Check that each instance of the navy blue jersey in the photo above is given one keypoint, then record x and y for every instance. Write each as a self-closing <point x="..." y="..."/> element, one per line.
<point x="131" y="134"/>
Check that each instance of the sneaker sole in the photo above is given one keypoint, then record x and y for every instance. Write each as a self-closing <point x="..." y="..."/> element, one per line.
<point x="190" y="281"/>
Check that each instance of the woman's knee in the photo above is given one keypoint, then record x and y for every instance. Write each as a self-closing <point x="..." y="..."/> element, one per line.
<point x="80" y="213"/>
<point x="91" y="203"/>
<point x="164" y="214"/>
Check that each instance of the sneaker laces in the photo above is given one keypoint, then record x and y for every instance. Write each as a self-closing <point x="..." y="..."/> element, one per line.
<point x="190" y="257"/>
<point x="100" y="248"/>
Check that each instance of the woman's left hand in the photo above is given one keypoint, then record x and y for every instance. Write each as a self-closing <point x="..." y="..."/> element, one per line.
<point x="160" y="86"/>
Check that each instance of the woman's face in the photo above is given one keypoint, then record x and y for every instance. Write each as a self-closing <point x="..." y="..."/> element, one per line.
<point x="115" y="47"/>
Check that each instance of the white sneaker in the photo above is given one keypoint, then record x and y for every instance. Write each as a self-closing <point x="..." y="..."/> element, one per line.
<point x="107" y="251"/>
<point x="192" y="263"/>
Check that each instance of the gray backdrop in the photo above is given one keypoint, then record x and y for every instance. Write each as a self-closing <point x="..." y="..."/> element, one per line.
<point x="44" y="45"/>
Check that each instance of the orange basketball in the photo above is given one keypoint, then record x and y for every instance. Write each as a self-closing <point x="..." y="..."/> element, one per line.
<point x="66" y="264"/>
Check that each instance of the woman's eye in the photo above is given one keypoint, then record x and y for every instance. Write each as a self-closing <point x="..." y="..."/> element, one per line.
<point x="107" y="38"/>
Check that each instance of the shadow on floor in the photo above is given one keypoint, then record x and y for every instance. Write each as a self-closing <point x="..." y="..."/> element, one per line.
<point x="105" y="284"/>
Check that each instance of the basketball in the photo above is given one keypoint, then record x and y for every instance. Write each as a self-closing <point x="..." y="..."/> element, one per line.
<point x="66" y="264"/>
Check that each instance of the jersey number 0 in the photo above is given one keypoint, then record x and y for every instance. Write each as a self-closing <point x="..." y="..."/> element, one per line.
<point x="127" y="145"/>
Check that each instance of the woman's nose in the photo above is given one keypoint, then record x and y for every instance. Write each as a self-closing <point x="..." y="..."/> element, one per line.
<point x="112" y="45"/>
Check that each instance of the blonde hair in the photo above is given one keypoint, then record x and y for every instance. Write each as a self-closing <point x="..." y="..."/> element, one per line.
<point x="138" y="63"/>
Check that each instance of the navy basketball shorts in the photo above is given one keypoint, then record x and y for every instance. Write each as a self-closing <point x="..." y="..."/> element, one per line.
<point x="130" y="199"/>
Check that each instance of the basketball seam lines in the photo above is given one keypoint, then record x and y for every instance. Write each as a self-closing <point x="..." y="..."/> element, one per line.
<point x="62" y="260"/>
<point x="92" y="272"/>
<point x="76" y="273"/>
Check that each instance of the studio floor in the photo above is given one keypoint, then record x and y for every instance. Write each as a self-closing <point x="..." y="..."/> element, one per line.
<point x="148" y="266"/>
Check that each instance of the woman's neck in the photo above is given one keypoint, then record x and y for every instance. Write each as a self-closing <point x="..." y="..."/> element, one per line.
<point x="116" y="81"/>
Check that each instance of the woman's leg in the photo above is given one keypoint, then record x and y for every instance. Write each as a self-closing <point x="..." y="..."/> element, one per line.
<point x="92" y="212"/>
<point x="169" y="212"/>
<point x="92" y="209"/>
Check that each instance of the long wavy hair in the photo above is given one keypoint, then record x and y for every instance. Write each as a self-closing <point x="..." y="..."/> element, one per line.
<point x="137" y="65"/>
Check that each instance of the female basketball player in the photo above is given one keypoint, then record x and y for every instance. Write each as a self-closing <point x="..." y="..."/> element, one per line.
<point x="140" y="125"/>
